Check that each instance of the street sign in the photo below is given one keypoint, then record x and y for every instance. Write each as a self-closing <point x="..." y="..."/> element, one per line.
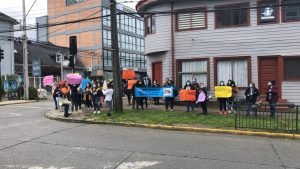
<point x="36" y="67"/>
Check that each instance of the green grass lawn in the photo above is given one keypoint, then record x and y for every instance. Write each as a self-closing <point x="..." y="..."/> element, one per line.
<point x="175" y="118"/>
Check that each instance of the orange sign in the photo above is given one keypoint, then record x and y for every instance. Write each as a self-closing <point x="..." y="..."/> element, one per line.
<point x="131" y="83"/>
<point x="128" y="74"/>
<point x="188" y="95"/>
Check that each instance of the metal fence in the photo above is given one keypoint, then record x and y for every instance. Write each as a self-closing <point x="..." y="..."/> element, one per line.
<point x="286" y="118"/>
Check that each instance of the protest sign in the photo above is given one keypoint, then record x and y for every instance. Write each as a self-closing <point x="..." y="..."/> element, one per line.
<point x="223" y="91"/>
<point x="74" y="79"/>
<point x="187" y="95"/>
<point x="153" y="92"/>
<point x="131" y="83"/>
<point x="128" y="74"/>
<point x="48" y="80"/>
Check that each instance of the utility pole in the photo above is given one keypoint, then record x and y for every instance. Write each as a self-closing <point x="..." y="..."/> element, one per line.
<point x="118" y="102"/>
<point x="25" y="58"/>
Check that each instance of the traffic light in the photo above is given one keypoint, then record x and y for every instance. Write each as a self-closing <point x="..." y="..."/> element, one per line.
<point x="71" y="59"/>
<point x="73" y="45"/>
<point x="1" y="54"/>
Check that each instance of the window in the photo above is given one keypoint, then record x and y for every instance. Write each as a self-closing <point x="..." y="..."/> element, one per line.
<point x="107" y="37"/>
<point x="71" y="2"/>
<point x="236" y="70"/>
<point x="187" y="70"/>
<point x="232" y="15"/>
<point x="107" y="58"/>
<point x="189" y="21"/>
<point x="290" y="10"/>
<point x="292" y="68"/>
<point x="267" y="12"/>
<point x="106" y="20"/>
<point x="150" y="24"/>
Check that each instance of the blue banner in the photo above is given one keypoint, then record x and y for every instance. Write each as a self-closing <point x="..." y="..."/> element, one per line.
<point x="84" y="82"/>
<point x="154" y="92"/>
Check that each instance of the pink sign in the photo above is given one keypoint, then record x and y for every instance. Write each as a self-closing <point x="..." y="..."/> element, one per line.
<point x="48" y="80"/>
<point x="74" y="79"/>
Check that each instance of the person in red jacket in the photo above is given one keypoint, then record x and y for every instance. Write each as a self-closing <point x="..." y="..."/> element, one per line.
<point x="271" y="97"/>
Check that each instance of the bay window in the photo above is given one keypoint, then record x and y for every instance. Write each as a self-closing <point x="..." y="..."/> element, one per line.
<point x="268" y="11"/>
<point x="290" y="10"/>
<point x="150" y="25"/>
<point x="191" y="20"/>
<point x="292" y="68"/>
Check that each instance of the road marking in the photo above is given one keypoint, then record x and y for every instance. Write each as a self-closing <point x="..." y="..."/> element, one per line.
<point x="137" y="165"/>
<point x="15" y="114"/>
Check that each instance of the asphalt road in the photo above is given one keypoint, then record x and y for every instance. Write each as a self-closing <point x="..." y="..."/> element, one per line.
<point x="30" y="141"/>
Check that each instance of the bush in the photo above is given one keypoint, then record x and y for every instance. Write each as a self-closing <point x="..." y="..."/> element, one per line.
<point x="33" y="93"/>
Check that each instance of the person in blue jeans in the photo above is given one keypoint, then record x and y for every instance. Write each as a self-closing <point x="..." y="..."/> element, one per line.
<point x="271" y="97"/>
<point x="189" y="86"/>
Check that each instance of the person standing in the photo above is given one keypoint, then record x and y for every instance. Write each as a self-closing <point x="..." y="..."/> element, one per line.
<point x="222" y="101"/>
<point x="108" y="93"/>
<point x="231" y="100"/>
<point x="138" y="101"/>
<point x="65" y="90"/>
<point x="189" y="86"/>
<point x="96" y="92"/>
<point x="251" y="96"/>
<point x="147" y="84"/>
<point x="57" y="96"/>
<point x="169" y="101"/>
<point x="79" y="96"/>
<point x="88" y="95"/>
<point x="156" y="85"/>
<point x="127" y="92"/>
<point x="271" y="95"/>
<point x="73" y="88"/>
<point x="202" y="99"/>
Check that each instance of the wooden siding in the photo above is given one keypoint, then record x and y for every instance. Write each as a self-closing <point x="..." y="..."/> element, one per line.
<point x="291" y="92"/>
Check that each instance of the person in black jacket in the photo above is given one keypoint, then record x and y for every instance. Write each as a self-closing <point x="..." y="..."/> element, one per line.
<point x="146" y="84"/>
<point x="73" y="88"/>
<point x="156" y="85"/>
<point x="189" y="86"/>
<point x="251" y="96"/>
<point x="56" y="97"/>
<point x="137" y="101"/>
<point x="96" y="93"/>
<point x="271" y="97"/>
<point x="169" y="101"/>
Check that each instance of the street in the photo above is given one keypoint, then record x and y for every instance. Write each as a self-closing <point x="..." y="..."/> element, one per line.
<point x="30" y="141"/>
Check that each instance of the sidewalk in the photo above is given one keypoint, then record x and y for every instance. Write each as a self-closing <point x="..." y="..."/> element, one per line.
<point x="11" y="102"/>
<point x="86" y="116"/>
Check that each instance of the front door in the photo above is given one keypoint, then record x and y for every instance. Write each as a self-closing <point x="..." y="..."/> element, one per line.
<point x="267" y="72"/>
<point x="157" y="72"/>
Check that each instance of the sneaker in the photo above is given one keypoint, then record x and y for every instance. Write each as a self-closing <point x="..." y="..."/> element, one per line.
<point x="165" y="110"/>
<point x="225" y="113"/>
<point x="171" y="110"/>
<point x="221" y="112"/>
<point x="95" y="112"/>
<point x="98" y="112"/>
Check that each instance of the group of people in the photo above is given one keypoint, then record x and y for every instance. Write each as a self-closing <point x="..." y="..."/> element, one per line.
<point x="98" y="92"/>
<point x="93" y="95"/>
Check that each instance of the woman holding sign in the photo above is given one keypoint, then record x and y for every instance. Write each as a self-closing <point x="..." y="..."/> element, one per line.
<point x="222" y="101"/>
<point x="156" y="85"/>
<point x="202" y="99"/>
<point x="189" y="86"/>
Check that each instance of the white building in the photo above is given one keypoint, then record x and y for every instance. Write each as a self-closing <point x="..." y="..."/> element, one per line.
<point x="213" y="40"/>
<point x="7" y="43"/>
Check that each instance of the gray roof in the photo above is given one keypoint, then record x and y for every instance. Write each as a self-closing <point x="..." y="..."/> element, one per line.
<point x="8" y="18"/>
<point x="46" y="52"/>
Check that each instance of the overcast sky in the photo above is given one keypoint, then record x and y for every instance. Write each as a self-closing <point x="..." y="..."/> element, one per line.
<point x="13" y="8"/>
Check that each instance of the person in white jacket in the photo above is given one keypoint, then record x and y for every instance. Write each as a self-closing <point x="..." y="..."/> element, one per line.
<point x="108" y="93"/>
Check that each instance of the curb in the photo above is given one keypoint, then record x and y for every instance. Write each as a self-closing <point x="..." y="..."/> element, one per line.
<point x="176" y="128"/>
<point x="12" y="103"/>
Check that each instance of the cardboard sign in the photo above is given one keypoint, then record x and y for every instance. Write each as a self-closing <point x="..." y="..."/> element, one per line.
<point x="131" y="83"/>
<point x="154" y="92"/>
<point x="128" y="74"/>
<point x="223" y="91"/>
<point x="187" y="95"/>
<point x="48" y="80"/>
<point x="74" y="79"/>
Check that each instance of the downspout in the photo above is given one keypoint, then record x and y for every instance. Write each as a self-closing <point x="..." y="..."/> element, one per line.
<point x="172" y="41"/>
